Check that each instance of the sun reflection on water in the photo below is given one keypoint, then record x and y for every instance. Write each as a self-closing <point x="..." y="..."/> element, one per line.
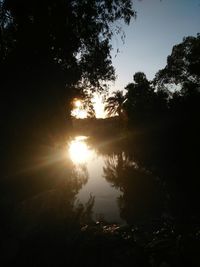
<point x="79" y="151"/>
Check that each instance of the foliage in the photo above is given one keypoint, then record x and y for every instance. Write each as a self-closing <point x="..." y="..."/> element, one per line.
<point x="138" y="92"/>
<point x="115" y="104"/>
<point x="86" y="99"/>
<point x="143" y="102"/>
<point x="134" y="181"/>
<point x="49" y="50"/>
<point x="183" y="65"/>
<point x="52" y="31"/>
<point x="182" y="68"/>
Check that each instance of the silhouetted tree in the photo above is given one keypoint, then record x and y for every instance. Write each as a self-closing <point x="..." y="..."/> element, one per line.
<point x="139" y="98"/>
<point x="183" y="69"/>
<point x="183" y="65"/>
<point x="46" y="48"/>
<point x="181" y="129"/>
<point x="87" y="104"/>
<point x="89" y="107"/>
<point x="142" y="196"/>
<point x="115" y="104"/>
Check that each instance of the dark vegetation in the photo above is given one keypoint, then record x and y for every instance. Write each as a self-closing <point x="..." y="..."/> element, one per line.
<point x="99" y="128"/>
<point x="47" y="58"/>
<point x="158" y="126"/>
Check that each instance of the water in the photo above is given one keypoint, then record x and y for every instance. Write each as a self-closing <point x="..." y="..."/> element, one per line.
<point x="105" y="195"/>
<point x="81" y="182"/>
<point x="54" y="195"/>
<point x="122" y="191"/>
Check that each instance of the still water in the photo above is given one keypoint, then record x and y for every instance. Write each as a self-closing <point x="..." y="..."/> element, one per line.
<point x="122" y="191"/>
<point x="106" y="196"/>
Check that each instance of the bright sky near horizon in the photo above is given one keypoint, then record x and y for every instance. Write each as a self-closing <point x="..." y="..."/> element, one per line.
<point x="160" y="24"/>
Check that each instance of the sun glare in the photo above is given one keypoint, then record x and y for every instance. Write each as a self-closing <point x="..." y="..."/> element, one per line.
<point x="79" y="151"/>
<point x="98" y="106"/>
<point x="79" y="112"/>
<point x="77" y="103"/>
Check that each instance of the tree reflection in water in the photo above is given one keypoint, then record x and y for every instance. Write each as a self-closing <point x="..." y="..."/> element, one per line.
<point x="143" y="197"/>
<point x="56" y="209"/>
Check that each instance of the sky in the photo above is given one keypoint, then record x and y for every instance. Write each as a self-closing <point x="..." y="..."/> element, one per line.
<point x="160" y="24"/>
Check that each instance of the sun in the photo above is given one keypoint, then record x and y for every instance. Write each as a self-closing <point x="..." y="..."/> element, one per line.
<point x="77" y="103"/>
<point x="78" y="111"/>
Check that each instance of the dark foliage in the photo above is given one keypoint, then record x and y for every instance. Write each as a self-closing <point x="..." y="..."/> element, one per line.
<point x="143" y="104"/>
<point x="49" y="49"/>
<point x="115" y="104"/>
<point x="168" y="127"/>
<point x="183" y="64"/>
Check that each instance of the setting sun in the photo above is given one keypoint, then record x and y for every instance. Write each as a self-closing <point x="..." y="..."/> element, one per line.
<point x="78" y="111"/>
<point x="78" y="103"/>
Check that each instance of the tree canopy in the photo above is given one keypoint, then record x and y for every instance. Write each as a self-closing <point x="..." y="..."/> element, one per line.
<point x="52" y="49"/>
<point x="139" y="95"/>
<point x="73" y="34"/>
<point x="115" y="104"/>
<point x="183" y="65"/>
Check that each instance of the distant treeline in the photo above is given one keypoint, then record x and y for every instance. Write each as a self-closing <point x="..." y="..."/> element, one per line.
<point x="96" y="127"/>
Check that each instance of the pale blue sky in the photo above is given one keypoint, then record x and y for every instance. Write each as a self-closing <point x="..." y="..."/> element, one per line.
<point x="150" y="38"/>
<point x="160" y="24"/>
